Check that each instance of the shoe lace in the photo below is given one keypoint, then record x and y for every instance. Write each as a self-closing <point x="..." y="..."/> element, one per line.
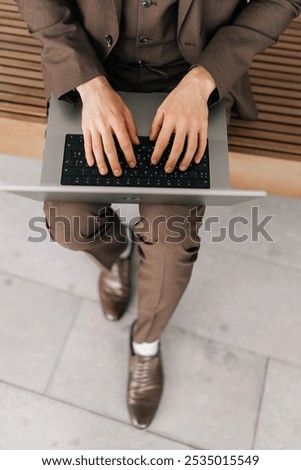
<point x="142" y="380"/>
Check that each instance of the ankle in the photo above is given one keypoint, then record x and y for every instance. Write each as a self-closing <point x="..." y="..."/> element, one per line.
<point x="146" y="349"/>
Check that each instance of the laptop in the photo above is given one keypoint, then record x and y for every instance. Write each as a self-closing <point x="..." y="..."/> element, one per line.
<point x="67" y="177"/>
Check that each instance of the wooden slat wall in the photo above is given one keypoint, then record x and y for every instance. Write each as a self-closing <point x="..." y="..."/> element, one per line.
<point x="21" y="87"/>
<point x="276" y="83"/>
<point x="275" y="77"/>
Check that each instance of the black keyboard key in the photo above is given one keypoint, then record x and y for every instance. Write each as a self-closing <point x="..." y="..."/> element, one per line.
<point x="70" y="172"/>
<point x="77" y="180"/>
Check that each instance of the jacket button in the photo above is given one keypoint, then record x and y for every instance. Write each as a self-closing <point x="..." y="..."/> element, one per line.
<point x="143" y="39"/>
<point x="108" y="40"/>
<point x="146" y="3"/>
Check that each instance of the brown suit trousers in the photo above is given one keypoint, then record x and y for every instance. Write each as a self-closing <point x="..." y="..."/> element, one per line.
<point x="168" y="246"/>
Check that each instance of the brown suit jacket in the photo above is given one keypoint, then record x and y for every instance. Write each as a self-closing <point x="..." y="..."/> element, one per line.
<point x="221" y="35"/>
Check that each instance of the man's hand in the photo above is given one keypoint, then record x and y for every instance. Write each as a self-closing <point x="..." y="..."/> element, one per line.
<point x="105" y="114"/>
<point x="185" y="113"/>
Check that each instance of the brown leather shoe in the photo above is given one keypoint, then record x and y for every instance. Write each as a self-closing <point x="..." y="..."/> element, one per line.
<point x="145" y="387"/>
<point x="115" y="288"/>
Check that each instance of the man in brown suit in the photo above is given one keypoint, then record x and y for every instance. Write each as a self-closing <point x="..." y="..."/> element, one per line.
<point x="197" y="50"/>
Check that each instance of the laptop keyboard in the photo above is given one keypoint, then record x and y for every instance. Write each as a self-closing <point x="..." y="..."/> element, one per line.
<point x="77" y="172"/>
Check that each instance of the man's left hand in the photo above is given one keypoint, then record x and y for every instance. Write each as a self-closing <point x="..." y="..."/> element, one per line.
<point x="183" y="113"/>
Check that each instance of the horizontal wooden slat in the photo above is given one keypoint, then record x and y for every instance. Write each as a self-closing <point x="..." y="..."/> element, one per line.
<point x="24" y="81"/>
<point x="20" y="64"/>
<point x="9" y="2"/>
<point x="266" y="144"/>
<point x="285" y="69"/>
<point x="12" y="23"/>
<point x="282" y="128"/>
<point x="8" y="7"/>
<point x="265" y="135"/>
<point x="279" y="118"/>
<point x="274" y="75"/>
<point x="22" y="99"/>
<point x="34" y="49"/>
<point x="277" y="84"/>
<point x="22" y="109"/>
<point x="288" y="38"/>
<point x="15" y="31"/>
<point x="281" y="110"/>
<point x="17" y="39"/>
<point x="273" y="91"/>
<point x="20" y="72"/>
<point x="283" y="52"/>
<point x="250" y="150"/>
<point x="21" y="118"/>
<point x="22" y="90"/>
<point x="282" y="60"/>
<point x="13" y="15"/>
<point x="279" y="101"/>
<point x="19" y="55"/>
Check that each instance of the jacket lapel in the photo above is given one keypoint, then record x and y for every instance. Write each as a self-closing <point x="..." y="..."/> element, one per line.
<point x="184" y="6"/>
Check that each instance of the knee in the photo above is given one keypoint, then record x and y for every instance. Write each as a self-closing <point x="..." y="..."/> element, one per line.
<point x="177" y="227"/>
<point x="173" y="238"/>
<point x="59" y="220"/>
<point x="74" y="224"/>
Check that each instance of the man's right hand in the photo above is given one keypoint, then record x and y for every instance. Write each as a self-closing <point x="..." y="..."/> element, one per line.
<point x="105" y="114"/>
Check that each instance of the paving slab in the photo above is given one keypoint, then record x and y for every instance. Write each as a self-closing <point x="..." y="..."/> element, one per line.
<point x="34" y="324"/>
<point x="280" y="418"/>
<point x="211" y="394"/>
<point x="32" y="422"/>
<point x="245" y="302"/>
<point x="237" y="226"/>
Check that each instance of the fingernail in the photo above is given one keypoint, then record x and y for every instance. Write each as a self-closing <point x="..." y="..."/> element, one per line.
<point x="154" y="162"/>
<point x="117" y="172"/>
<point x="183" y="167"/>
<point x="132" y="164"/>
<point x="168" y="169"/>
<point x="103" y="170"/>
<point x="198" y="161"/>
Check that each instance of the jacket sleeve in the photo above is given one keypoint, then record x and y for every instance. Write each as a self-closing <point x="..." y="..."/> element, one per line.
<point x="257" y="26"/>
<point x="68" y="55"/>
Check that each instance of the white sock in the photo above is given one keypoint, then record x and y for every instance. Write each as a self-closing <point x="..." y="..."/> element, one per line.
<point x="146" y="349"/>
<point x="126" y="252"/>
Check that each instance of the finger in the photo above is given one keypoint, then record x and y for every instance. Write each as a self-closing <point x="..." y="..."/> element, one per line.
<point x="99" y="153"/>
<point x="88" y="147"/>
<point x="110" y="151"/>
<point x="176" y="150"/>
<point x="161" y="143"/>
<point x="202" y="144"/>
<point x="131" y="127"/>
<point x="191" y="148"/>
<point x="156" y="125"/>
<point x="126" y="145"/>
